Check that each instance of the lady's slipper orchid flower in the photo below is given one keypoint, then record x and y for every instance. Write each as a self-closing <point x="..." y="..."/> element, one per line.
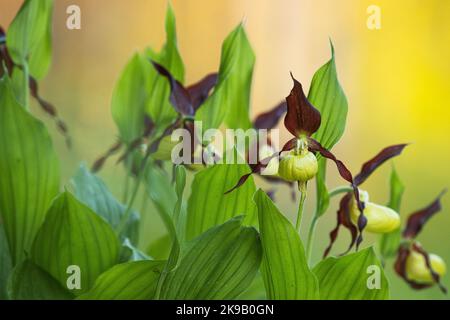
<point x="414" y="264"/>
<point x="379" y="219"/>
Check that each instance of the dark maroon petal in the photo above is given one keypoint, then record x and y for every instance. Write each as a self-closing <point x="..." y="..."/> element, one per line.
<point x="400" y="267"/>
<point x="269" y="119"/>
<point x="417" y="220"/>
<point x="48" y="108"/>
<point x="2" y="35"/>
<point x="301" y="118"/>
<point x="199" y="91"/>
<point x="179" y="96"/>
<point x="343" y="218"/>
<point x="347" y="175"/>
<point x="370" y="166"/>
<point x="98" y="164"/>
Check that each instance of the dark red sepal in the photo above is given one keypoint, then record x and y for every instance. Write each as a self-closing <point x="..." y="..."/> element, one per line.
<point x="269" y="119"/>
<point x="417" y="220"/>
<point x="98" y="164"/>
<point x="200" y="90"/>
<point x="301" y="118"/>
<point x="370" y="166"/>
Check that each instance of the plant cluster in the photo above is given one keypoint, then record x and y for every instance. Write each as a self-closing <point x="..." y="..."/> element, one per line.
<point x="225" y="238"/>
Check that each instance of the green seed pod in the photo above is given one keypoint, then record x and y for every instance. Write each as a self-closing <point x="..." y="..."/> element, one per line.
<point x="416" y="267"/>
<point x="380" y="219"/>
<point x="298" y="167"/>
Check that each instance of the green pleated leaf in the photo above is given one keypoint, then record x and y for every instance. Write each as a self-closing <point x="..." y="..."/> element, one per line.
<point x="219" y="264"/>
<point x="231" y="97"/>
<point x="127" y="281"/>
<point x="159" y="107"/>
<point x="284" y="267"/>
<point x="209" y="206"/>
<point x="29" y="282"/>
<point x="358" y="276"/>
<point x="327" y="96"/>
<point x="94" y="193"/>
<point x="5" y="263"/>
<point x="29" y="37"/>
<point x="130" y="97"/>
<point x="390" y="242"/>
<point x="73" y="234"/>
<point x="159" y="248"/>
<point x="129" y="252"/>
<point x="29" y="172"/>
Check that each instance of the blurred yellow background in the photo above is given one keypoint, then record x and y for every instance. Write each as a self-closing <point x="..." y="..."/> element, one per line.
<point x="396" y="79"/>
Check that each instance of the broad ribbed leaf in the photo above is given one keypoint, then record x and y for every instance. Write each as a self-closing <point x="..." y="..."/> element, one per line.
<point x="327" y="96"/>
<point x="284" y="267"/>
<point x="220" y="264"/>
<point x="209" y="206"/>
<point x="358" y="276"/>
<point x="390" y="242"/>
<point x="130" y="98"/>
<point x="130" y="253"/>
<point x="127" y="281"/>
<point x="29" y="282"/>
<point x="5" y="263"/>
<point x="29" y="172"/>
<point x="323" y="198"/>
<point x="231" y="97"/>
<point x="73" y="234"/>
<point x="93" y="192"/>
<point x="159" y="106"/>
<point x="29" y="36"/>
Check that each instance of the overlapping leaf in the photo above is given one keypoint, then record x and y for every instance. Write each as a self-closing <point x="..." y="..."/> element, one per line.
<point x="93" y="192"/>
<point x="284" y="268"/>
<point x="219" y="264"/>
<point x="5" y="263"/>
<point x="127" y="281"/>
<point x="30" y="282"/>
<point x="209" y="206"/>
<point x="30" y="173"/>
<point x="73" y="234"/>
<point x="30" y="36"/>
<point x="358" y="276"/>
<point x="231" y="97"/>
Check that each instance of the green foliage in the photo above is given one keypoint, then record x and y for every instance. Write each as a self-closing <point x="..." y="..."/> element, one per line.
<point x="29" y="172"/>
<point x="29" y="282"/>
<point x="159" y="107"/>
<point x="352" y="277"/>
<point x="284" y="267"/>
<point x="219" y="264"/>
<point x="29" y="37"/>
<point x="231" y="98"/>
<point x="208" y="204"/>
<point x="390" y="242"/>
<point x="127" y="281"/>
<point x="73" y="234"/>
<point x="5" y="263"/>
<point x="93" y="192"/>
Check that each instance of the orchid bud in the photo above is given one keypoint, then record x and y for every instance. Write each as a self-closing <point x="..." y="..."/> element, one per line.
<point x="380" y="219"/>
<point x="298" y="166"/>
<point x="417" y="270"/>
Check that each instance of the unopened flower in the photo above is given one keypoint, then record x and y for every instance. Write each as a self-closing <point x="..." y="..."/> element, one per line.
<point x="298" y="166"/>
<point x="414" y="264"/>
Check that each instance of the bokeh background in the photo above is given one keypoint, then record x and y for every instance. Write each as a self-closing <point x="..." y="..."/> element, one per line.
<point x="397" y="81"/>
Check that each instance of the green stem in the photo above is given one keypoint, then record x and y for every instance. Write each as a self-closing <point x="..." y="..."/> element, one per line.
<point x="302" y="189"/>
<point x="311" y="233"/>
<point x="339" y="190"/>
<point x="26" y="86"/>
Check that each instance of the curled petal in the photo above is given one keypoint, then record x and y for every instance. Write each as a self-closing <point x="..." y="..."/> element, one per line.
<point x="417" y="220"/>
<point x="347" y="175"/>
<point x="179" y="96"/>
<point x="49" y="109"/>
<point x="370" y="166"/>
<point x="343" y="218"/>
<point x="403" y="254"/>
<point x="2" y="35"/>
<point x="269" y="119"/>
<point x="301" y="118"/>
<point x="199" y="91"/>
<point x="98" y="164"/>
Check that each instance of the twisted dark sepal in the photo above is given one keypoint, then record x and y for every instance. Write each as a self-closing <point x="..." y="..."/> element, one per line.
<point x="301" y="118"/>
<point x="200" y="90"/>
<point x="400" y="267"/>
<point x="417" y="220"/>
<point x="370" y="166"/>
<point x="269" y="119"/>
